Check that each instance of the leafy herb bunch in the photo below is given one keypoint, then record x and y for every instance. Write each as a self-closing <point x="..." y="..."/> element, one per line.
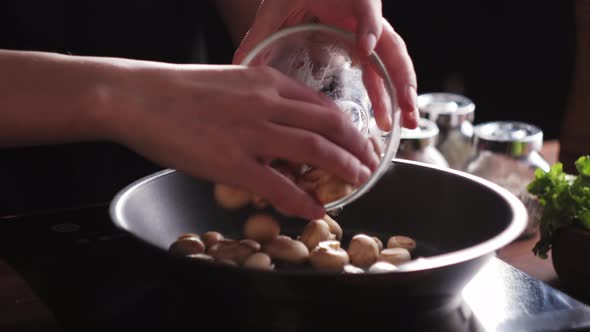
<point x="565" y="199"/>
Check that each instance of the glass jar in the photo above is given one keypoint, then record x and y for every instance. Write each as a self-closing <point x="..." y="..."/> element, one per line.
<point x="420" y="144"/>
<point x="453" y="115"/>
<point x="507" y="153"/>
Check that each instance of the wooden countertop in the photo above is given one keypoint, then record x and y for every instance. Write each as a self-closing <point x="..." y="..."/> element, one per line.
<point x="21" y="309"/>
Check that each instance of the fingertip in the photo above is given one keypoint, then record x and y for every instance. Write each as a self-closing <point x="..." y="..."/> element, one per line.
<point x="316" y="211"/>
<point x="412" y="96"/>
<point x="305" y="206"/>
<point x="373" y="159"/>
<point x="363" y="175"/>
<point x="370" y="24"/>
<point x="416" y="116"/>
<point x="410" y="120"/>
<point x="412" y="114"/>
<point x="310" y="208"/>
<point x="368" y="43"/>
<point x="384" y="121"/>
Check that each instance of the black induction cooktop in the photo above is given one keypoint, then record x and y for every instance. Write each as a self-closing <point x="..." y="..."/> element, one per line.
<point x="95" y="277"/>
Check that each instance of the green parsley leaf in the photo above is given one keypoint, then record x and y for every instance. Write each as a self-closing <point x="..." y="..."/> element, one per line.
<point x="583" y="166"/>
<point x="565" y="200"/>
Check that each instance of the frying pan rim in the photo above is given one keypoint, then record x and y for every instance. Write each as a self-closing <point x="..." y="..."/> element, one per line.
<point x="510" y="233"/>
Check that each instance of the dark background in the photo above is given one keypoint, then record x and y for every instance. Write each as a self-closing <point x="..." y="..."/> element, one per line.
<point x="514" y="59"/>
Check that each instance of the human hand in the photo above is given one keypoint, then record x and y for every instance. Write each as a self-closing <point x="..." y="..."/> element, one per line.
<point x="372" y="31"/>
<point x="224" y="123"/>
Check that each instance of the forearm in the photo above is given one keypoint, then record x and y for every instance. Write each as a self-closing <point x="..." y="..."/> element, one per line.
<point x="575" y="136"/>
<point x="48" y="98"/>
<point x="238" y="16"/>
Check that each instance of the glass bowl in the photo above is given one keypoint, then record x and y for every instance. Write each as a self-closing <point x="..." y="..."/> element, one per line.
<point x="326" y="59"/>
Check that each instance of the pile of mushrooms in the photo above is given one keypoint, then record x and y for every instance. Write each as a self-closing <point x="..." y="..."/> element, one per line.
<point x="324" y="187"/>
<point x="318" y="246"/>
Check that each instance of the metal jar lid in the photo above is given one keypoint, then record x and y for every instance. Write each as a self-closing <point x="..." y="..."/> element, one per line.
<point x="424" y="135"/>
<point x="508" y="137"/>
<point x="447" y="110"/>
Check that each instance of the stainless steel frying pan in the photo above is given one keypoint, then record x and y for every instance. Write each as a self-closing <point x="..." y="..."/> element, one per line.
<point x="458" y="220"/>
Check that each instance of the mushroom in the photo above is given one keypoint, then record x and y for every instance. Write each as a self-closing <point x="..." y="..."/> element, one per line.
<point x="187" y="246"/>
<point x="231" y="198"/>
<point x="243" y="251"/>
<point x="260" y="261"/>
<point x="334" y="226"/>
<point x="252" y="244"/>
<point x="381" y="267"/>
<point x="395" y="256"/>
<point x="315" y="232"/>
<point x="287" y="250"/>
<point x="353" y="269"/>
<point x="332" y="189"/>
<point x="379" y="243"/>
<point x="363" y="250"/>
<point x="324" y="186"/>
<point x="212" y="250"/>
<point x="210" y="238"/>
<point x="261" y="228"/>
<point x="400" y="241"/>
<point x="231" y="250"/>
<point x="328" y="256"/>
<point x="188" y="236"/>
<point x="222" y="249"/>
<point x="310" y="180"/>
<point x="295" y="168"/>
<point x="201" y="257"/>
<point x="335" y="212"/>
<point x="228" y="262"/>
